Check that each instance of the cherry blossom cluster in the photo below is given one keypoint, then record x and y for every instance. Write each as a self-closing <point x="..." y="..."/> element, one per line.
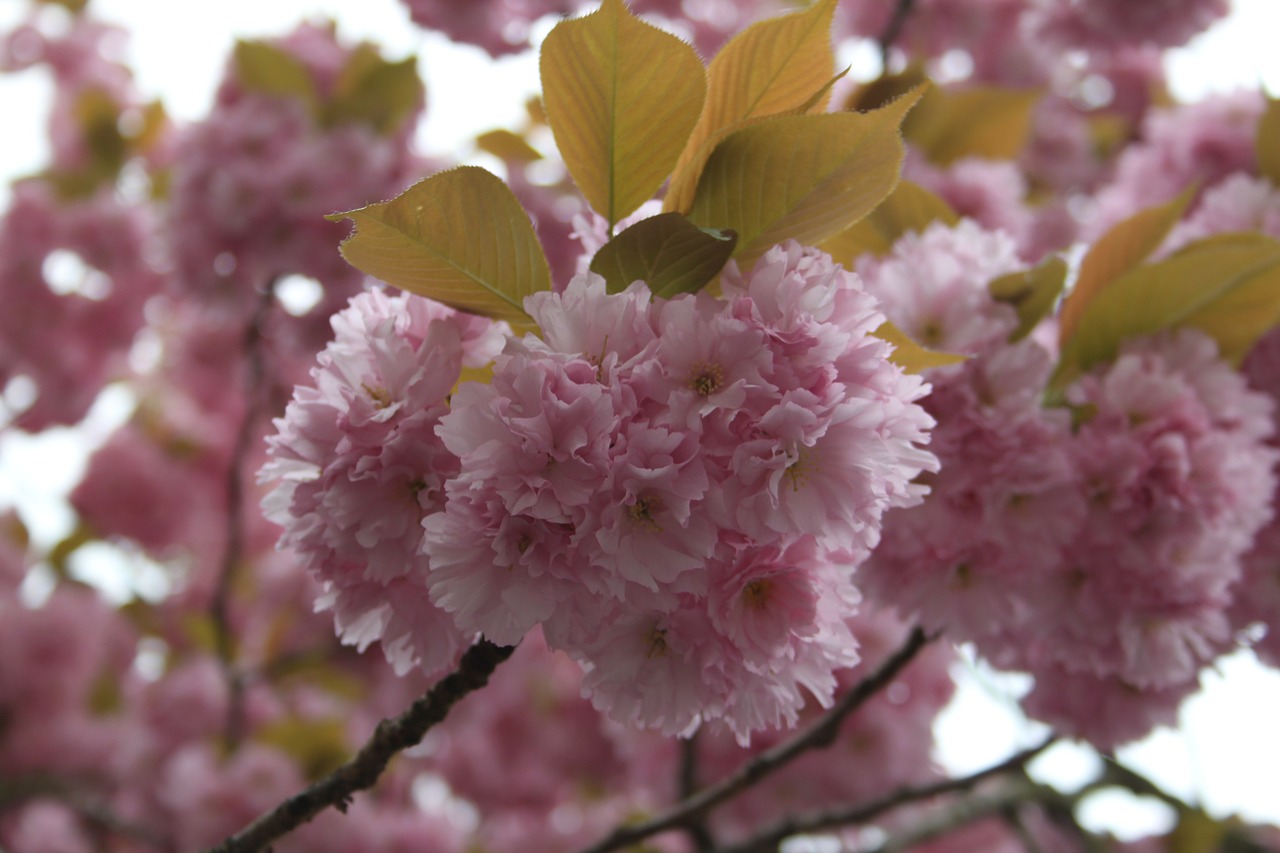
<point x="674" y="489"/>
<point x="1095" y="544"/>
<point x="252" y="182"/>
<point x="696" y="514"/>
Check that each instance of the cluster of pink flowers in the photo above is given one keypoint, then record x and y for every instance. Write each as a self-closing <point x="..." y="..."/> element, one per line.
<point x="1191" y="145"/>
<point x="251" y="184"/>
<point x="674" y="489"/>
<point x="359" y="465"/>
<point x="1095" y="545"/>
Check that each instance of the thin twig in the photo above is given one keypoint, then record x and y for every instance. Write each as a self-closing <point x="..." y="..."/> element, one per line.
<point x="821" y="733"/>
<point x="1115" y="773"/>
<point x="893" y="29"/>
<point x="389" y="738"/>
<point x="965" y="811"/>
<point x="703" y="841"/>
<point x="1016" y="821"/>
<point x="771" y="837"/>
<point x="97" y="814"/>
<point x="220" y="604"/>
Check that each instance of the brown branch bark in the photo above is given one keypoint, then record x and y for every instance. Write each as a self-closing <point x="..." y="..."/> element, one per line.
<point x="822" y="733"/>
<point x="769" y="838"/>
<point x="220" y="603"/>
<point x="361" y="772"/>
<point x="901" y="11"/>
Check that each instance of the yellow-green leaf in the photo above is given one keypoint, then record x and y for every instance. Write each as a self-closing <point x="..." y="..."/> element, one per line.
<point x="1116" y="252"/>
<point x="1032" y="293"/>
<point x="978" y="121"/>
<point x="265" y="68"/>
<point x="622" y="97"/>
<point x="800" y="177"/>
<point x="459" y="237"/>
<point x="1268" y="142"/>
<point x="886" y="88"/>
<point x="1197" y="832"/>
<point x="370" y="90"/>
<point x="318" y="745"/>
<point x="668" y="252"/>
<point x="909" y="355"/>
<point x="74" y="6"/>
<point x="910" y="207"/>
<point x="508" y="147"/>
<point x="1227" y="286"/>
<point x="773" y="67"/>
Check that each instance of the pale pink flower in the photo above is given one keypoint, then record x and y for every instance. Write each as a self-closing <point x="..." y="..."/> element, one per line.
<point x="934" y="286"/>
<point x="613" y="468"/>
<point x="359" y="466"/>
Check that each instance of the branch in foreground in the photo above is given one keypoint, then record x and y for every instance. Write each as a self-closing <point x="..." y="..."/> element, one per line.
<point x="770" y="838"/>
<point x="820" y="734"/>
<point x="389" y="738"/>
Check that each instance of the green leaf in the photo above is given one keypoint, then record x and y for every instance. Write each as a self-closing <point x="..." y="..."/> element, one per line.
<point x="1268" y="142"/>
<point x="1031" y="292"/>
<point x="910" y="207"/>
<point x="978" y="121"/>
<point x="73" y="6"/>
<point x="1227" y="286"/>
<point x="318" y="745"/>
<point x="97" y="118"/>
<point x="265" y="68"/>
<point x="459" y="237"/>
<point x="1116" y="252"/>
<point x="800" y="177"/>
<point x="773" y="67"/>
<point x="668" y="252"/>
<point x="370" y="90"/>
<point x="911" y="356"/>
<point x="622" y="97"/>
<point x="508" y="147"/>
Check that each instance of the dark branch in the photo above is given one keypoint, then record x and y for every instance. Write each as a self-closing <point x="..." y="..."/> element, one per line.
<point x="389" y="738"/>
<point x="18" y="792"/>
<point x="893" y="29"/>
<point x="965" y="811"/>
<point x="220" y="604"/>
<point x="688" y="785"/>
<point x="822" y="733"/>
<point x="769" y="838"/>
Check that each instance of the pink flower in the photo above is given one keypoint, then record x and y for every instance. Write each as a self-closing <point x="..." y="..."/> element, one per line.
<point x="934" y="286"/>
<point x="674" y="489"/>
<point x="359" y="466"/>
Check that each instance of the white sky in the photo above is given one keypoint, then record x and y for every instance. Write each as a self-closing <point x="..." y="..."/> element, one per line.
<point x="1228" y="747"/>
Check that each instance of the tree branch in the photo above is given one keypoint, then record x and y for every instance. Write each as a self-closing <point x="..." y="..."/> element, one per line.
<point x="966" y="811"/>
<point x="389" y="738"/>
<point x="18" y="792"/>
<point x="688" y="786"/>
<point x="822" y="733"/>
<point x="220" y="603"/>
<point x="770" y="838"/>
<point x="893" y="29"/>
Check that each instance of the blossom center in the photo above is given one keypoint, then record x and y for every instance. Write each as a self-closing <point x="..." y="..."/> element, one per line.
<point x="381" y="396"/>
<point x="755" y="595"/>
<point x="642" y="511"/>
<point x="657" y="643"/>
<point x="798" y="470"/>
<point x="705" y="378"/>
